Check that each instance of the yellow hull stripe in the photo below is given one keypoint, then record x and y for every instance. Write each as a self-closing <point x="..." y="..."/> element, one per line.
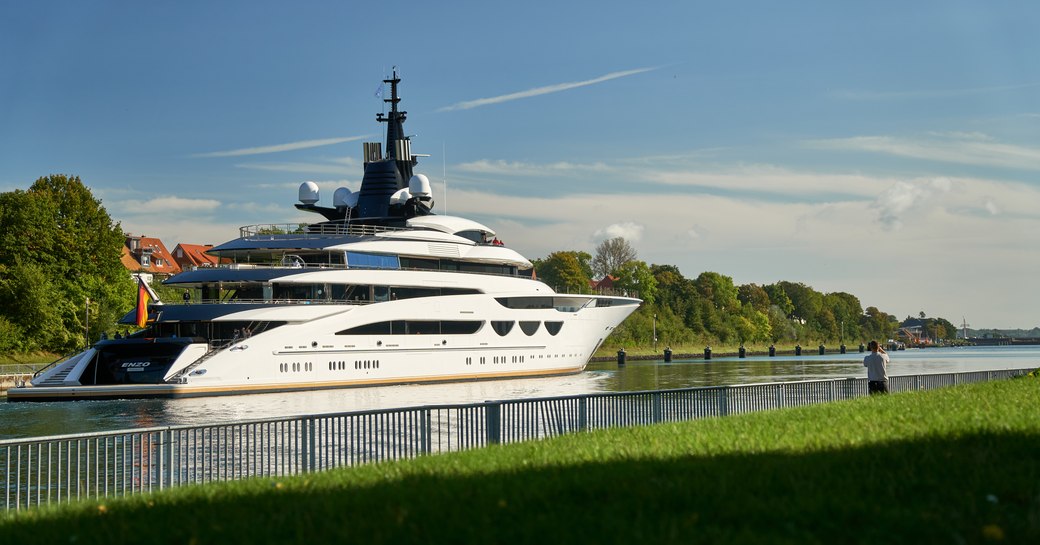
<point x="186" y="390"/>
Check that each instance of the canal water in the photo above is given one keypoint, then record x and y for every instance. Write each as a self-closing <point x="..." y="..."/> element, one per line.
<point x="56" y="418"/>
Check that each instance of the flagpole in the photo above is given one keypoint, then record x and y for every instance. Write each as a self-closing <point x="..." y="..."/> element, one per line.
<point x="86" y="322"/>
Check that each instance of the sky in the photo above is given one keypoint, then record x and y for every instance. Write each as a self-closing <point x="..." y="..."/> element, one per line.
<point x="890" y="150"/>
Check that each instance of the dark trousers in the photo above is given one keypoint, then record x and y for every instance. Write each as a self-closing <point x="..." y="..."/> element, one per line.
<point x="877" y="387"/>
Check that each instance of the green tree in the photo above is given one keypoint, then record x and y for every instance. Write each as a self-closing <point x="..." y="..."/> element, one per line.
<point x="719" y="290"/>
<point x="846" y="310"/>
<point x="778" y="297"/>
<point x="877" y="325"/>
<point x="780" y="326"/>
<point x="563" y="271"/>
<point x="679" y="294"/>
<point x="754" y="295"/>
<point x="75" y="249"/>
<point x="806" y="301"/>
<point x="636" y="279"/>
<point x="752" y="325"/>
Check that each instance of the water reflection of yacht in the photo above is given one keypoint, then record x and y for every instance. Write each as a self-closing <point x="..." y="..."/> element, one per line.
<point x="381" y="291"/>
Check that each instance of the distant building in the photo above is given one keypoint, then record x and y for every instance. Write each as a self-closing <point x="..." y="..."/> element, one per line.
<point x="194" y="256"/>
<point x="603" y="286"/>
<point x="147" y="255"/>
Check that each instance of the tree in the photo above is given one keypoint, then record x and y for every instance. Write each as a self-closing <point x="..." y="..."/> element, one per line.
<point x="75" y="250"/>
<point x="778" y="297"/>
<point x="752" y="325"/>
<point x="563" y="272"/>
<point x="636" y="279"/>
<point x="806" y="301"/>
<point x="877" y="325"/>
<point x="611" y="254"/>
<point x="755" y="296"/>
<point x="719" y="290"/>
<point x="846" y="310"/>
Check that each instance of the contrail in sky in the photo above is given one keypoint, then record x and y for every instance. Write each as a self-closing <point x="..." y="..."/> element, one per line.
<point x="468" y="104"/>
<point x="303" y="144"/>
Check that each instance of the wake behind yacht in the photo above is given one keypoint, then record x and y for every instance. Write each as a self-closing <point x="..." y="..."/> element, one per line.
<point x="380" y="291"/>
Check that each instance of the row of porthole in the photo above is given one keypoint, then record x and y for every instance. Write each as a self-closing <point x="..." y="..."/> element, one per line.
<point x="295" y="367"/>
<point x="366" y="364"/>
<point x="358" y="364"/>
<point x="517" y="359"/>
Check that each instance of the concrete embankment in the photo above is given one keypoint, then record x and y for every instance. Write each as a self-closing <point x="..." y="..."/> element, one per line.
<point x="10" y="381"/>
<point x="806" y="351"/>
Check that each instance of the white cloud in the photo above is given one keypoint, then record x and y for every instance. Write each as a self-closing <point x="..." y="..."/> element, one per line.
<point x="301" y="168"/>
<point x="629" y="230"/>
<point x="169" y="204"/>
<point x="768" y="179"/>
<point x="278" y="148"/>
<point x="537" y="91"/>
<point x="992" y="207"/>
<point x="969" y="151"/>
<point x="515" y="168"/>
<point x="904" y="197"/>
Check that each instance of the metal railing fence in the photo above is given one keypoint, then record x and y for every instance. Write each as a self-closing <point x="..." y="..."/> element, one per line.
<point x="46" y="470"/>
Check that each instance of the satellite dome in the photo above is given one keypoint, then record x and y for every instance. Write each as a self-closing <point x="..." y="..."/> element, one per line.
<point x="400" y="196"/>
<point x="341" y="197"/>
<point x="308" y="192"/>
<point x="419" y="185"/>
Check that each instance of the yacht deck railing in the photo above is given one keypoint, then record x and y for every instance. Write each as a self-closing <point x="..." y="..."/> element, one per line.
<point x="314" y="229"/>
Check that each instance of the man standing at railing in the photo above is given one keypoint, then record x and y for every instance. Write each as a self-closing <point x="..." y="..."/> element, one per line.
<point x="877" y="369"/>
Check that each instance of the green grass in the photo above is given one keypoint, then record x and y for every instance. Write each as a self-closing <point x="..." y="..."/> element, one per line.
<point x="956" y="465"/>
<point x="27" y="358"/>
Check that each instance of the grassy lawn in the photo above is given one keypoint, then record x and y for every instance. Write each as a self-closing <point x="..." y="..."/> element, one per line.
<point x="21" y="363"/>
<point x="957" y="465"/>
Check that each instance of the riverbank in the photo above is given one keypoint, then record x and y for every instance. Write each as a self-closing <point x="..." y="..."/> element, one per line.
<point x="955" y="464"/>
<point x="686" y="352"/>
<point x="10" y="381"/>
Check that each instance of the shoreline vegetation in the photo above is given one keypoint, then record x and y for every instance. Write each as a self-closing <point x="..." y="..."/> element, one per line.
<point x="956" y="464"/>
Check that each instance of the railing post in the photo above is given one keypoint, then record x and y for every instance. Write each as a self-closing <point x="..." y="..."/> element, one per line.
<point x="426" y="431"/>
<point x="583" y="413"/>
<point x="780" y="395"/>
<point x="657" y="410"/>
<point x="493" y="422"/>
<point x="723" y="400"/>
<point x="160" y="471"/>
<point x="307" y="441"/>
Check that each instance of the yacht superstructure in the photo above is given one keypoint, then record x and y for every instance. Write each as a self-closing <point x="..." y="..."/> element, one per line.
<point x="381" y="291"/>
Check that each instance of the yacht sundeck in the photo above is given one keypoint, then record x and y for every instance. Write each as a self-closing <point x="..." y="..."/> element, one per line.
<point x="381" y="291"/>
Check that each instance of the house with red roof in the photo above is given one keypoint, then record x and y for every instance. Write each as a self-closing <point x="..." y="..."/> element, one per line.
<point x="148" y="255"/>
<point x="193" y="256"/>
<point x="603" y="286"/>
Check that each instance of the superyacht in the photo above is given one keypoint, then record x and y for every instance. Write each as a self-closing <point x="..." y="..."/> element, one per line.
<point x="380" y="291"/>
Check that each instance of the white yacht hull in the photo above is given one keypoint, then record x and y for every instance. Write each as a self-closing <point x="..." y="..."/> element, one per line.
<point x="309" y="354"/>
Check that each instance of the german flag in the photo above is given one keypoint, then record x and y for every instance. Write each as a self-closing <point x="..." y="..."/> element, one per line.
<point x="143" y="297"/>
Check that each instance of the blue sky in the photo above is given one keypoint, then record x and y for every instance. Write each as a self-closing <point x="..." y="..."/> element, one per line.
<point x="886" y="149"/>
